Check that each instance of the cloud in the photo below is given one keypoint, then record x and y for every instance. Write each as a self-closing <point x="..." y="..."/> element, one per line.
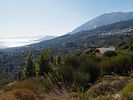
<point x="14" y="42"/>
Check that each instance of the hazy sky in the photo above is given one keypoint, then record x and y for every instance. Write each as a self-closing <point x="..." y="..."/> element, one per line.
<point x="19" y="18"/>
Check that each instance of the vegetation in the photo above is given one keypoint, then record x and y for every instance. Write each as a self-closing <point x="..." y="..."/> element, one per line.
<point x="29" y="70"/>
<point x="82" y="76"/>
<point x="128" y="89"/>
<point x="110" y="53"/>
<point x="126" y="45"/>
<point x="45" y="62"/>
<point x="80" y="70"/>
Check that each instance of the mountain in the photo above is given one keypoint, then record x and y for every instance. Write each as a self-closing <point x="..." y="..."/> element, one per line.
<point x="104" y="19"/>
<point x="48" y="37"/>
<point x="108" y="35"/>
<point x="101" y="36"/>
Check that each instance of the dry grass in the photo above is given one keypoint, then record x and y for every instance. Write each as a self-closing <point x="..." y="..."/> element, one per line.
<point x="46" y="89"/>
<point x="65" y="96"/>
<point x="7" y="96"/>
<point x="19" y="94"/>
<point x="107" y="85"/>
<point x="32" y="84"/>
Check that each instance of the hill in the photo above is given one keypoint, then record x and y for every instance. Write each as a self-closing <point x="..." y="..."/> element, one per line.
<point x="108" y="35"/>
<point x="104" y="19"/>
<point x="101" y="36"/>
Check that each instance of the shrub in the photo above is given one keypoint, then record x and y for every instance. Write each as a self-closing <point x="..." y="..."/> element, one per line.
<point x="127" y="89"/>
<point x="110" y="53"/>
<point x="66" y="72"/>
<point x="32" y="84"/>
<point x="120" y="64"/>
<point x="24" y="94"/>
<point x="81" y="79"/>
<point x="81" y="96"/>
<point x="18" y="94"/>
<point x="29" y="69"/>
<point x="92" y="68"/>
<point x="80" y="69"/>
<point x="7" y="96"/>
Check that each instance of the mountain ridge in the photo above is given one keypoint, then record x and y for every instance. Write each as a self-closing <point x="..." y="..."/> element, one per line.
<point x="104" y="19"/>
<point x="115" y="30"/>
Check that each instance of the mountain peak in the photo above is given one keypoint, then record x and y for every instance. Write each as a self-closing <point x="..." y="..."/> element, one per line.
<point x="104" y="19"/>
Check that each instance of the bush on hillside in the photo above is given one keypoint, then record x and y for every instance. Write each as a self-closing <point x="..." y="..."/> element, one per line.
<point x="120" y="64"/>
<point x="128" y="89"/>
<point x="110" y="53"/>
<point x="80" y="70"/>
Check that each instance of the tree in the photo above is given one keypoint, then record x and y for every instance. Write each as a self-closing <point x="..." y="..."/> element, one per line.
<point x="58" y="60"/>
<point x="29" y="70"/>
<point x="45" y="62"/>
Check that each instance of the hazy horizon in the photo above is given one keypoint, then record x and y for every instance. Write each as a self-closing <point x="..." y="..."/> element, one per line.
<point x="26" y="20"/>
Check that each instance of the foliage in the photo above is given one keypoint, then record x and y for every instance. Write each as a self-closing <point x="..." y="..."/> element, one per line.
<point x="120" y="64"/>
<point x="110" y="53"/>
<point x="58" y="60"/>
<point x="18" y="94"/>
<point x="80" y="70"/>
<point x="127" y="45"/>
<point x="2" y="77"/>
<point x="81" y="96"/>
<point x="127" y="89"/>
<point x="29" y="70"/>
<point x="33" y="84"/>
<point x="45" y="62"/>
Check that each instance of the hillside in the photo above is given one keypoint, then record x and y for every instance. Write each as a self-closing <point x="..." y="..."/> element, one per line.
<point x="104" y="19"/>
<point x="101" y="36"/>
<point x="37" y="72"/>
<point x="75" y="77"/>
<point x="108" y="35"/>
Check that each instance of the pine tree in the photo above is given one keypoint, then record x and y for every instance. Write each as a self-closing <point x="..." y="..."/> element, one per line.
<point x="45" y="62"/>
<point x="58" y="60"/>
<point x="29" y="70"/>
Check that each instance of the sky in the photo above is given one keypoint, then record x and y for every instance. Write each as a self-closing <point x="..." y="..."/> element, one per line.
<point x="28" y="19"/>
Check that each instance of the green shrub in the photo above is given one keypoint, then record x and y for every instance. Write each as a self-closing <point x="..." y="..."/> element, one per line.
<point x="80" y="69"/>
<point x="66" y="72"/>
<point x="127" y="89"/>
<point x="120" y="64"/>
<point x="81" y="96"/>
<point x="110" y="53"/>
<point x="81" y="78"/>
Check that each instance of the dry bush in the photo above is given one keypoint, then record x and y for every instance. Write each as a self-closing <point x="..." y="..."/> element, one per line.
<point x="32" y="84"/>
<point x="19" y="94"/>
<point x="108" y="85"/>
<point x="7" y="96"/>
<point x="24" y="94"/>
<point x="63" y="96"/>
